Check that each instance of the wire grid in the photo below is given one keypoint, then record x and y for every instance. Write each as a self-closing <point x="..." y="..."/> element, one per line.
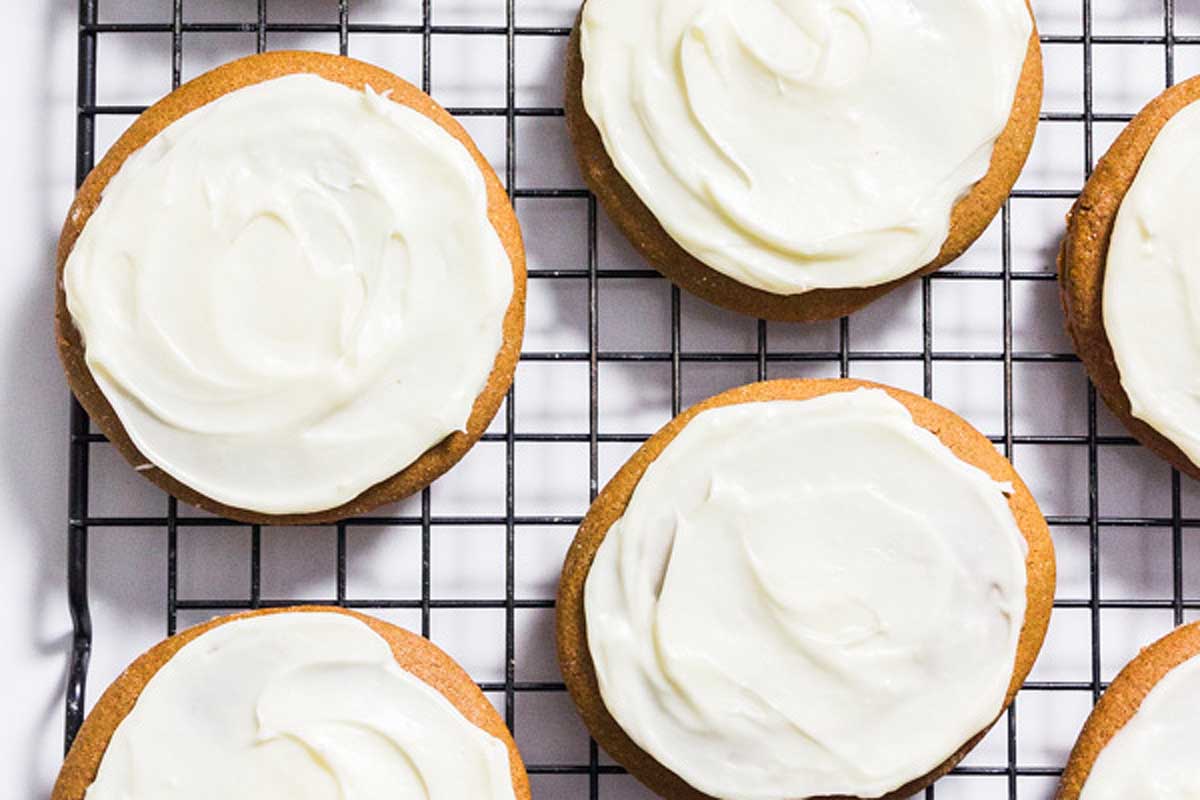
<point x="843" y="359"/>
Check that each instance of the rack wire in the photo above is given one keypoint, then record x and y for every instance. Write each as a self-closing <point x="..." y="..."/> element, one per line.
<point x="764" y="359"/>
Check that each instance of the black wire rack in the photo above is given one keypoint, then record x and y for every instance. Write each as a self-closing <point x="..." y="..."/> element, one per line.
<point x="763" y="360"/>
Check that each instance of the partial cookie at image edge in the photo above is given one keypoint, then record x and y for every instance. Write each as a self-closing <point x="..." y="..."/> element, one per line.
<point x="413" y="653"/>
<point x="970" y="218"/>
<point x="1084" y="251"/>
<point x="1121" y="702"/>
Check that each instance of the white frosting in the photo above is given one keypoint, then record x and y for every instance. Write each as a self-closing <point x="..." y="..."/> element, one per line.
<point x="807" y="598"/>
<point x="1152" y="285"/>
<point x="289" y="294"/>
<point x="803" y="144"/>
<point x="296" y="706"/>
<point x="1155" y="755"/>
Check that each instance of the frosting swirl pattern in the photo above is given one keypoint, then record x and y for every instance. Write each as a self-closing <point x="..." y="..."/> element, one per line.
<point x="803" y="144"/>
<point x="296" y="706"/>
<point x="807" y="598"/>
<point x="291" y="293"/>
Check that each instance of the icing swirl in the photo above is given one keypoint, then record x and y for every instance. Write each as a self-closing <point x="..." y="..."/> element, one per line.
<point x="296" y="706"/>
<point x="803" y="144"/>
<point x="291" y="293"/>
<point x="807" y="598"/>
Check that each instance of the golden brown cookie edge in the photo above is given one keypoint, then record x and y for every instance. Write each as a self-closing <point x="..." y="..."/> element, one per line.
<point x="414" y="653"/>
<point x="1083" y="258"/>
<point x="1123" y="699"/>
<point x="962" y="439"/>
<point x="969" y="219"/>
<point x="200" y="91"/>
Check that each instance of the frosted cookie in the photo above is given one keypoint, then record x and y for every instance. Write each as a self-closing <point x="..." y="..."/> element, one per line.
<point x="804" y="588"/>
<point x="1130" y="275"/>
<point x="304" y="704"/>
<point x="1142" y="738"/>
<point x="797" y="161"/>
<point x="292" y="291"/>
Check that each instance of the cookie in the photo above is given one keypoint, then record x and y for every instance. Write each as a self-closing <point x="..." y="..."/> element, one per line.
<point x="1083" y="263"/>
<point x="967" y="446"/>
<point x="416" y="655"/>
<point x="1122" y="701"/>
<point x="970" y="216"/>
<point x="385" y="96"/>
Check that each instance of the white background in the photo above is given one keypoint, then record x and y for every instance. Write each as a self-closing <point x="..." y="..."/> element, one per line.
<point x="128" y="565"/>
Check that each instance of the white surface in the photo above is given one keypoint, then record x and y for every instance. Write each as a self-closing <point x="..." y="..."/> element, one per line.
<point x="128" y="571"/>
<point x="36" y="170"/>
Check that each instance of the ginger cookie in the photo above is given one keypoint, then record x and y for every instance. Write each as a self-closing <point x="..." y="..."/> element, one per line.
<point x="292" y="291"/>
<point x="1141" y="736"/>
<point x="286" y="702"/>
<point x="804" y="588"/>
<point x="1125" y="268"/>
<point x="799" y="165"/>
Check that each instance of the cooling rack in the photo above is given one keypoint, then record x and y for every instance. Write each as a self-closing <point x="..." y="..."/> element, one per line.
<point x="612" y="351"/>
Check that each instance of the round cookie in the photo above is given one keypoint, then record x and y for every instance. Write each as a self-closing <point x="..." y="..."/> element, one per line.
<point x="970" y="218"/>
<point x="964" y="441"/>
<point x="191" y="96"/>
<point x="1082" y="262"/>
<point x="413" y="653"/>
<point x="1121" y="702"/>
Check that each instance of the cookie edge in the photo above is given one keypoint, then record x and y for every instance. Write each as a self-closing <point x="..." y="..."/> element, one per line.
<point x="1083" y="257"/>
<point x="1121" y="702"/>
